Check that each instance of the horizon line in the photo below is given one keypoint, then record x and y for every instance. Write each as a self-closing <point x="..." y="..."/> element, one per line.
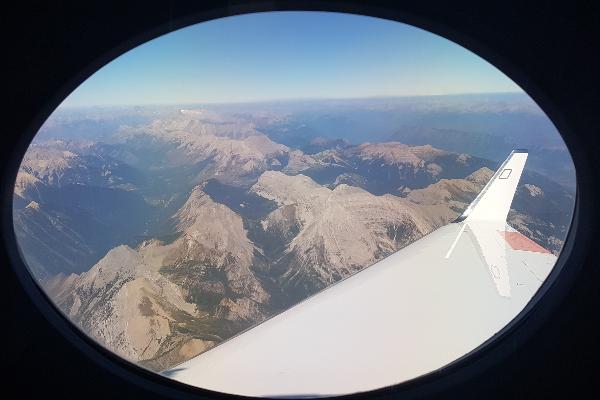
<point x="285" y="99"/>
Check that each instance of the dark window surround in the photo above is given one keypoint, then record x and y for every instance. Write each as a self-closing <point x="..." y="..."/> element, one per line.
<point x="539" y="310"/>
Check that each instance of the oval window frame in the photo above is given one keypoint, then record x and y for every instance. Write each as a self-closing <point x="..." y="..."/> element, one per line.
<point x="496" y="348"/>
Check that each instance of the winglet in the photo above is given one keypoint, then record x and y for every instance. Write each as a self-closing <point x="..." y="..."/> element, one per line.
<point x="493" y="202"/>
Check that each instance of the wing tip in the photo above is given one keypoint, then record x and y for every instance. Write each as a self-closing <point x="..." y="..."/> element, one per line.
<point x="471" y="206"/>
<point x="520" y="151"/>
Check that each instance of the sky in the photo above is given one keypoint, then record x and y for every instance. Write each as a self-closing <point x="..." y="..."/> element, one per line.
<point x="289" y="55"/>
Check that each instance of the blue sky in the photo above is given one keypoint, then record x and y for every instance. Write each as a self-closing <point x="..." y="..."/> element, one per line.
<point x="289" y="55"/>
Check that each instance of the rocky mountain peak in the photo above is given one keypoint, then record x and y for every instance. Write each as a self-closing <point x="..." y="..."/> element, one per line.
<point x="288" y="189"/>
<point x="390" y="152"/>
<point x="534" y="191"/>
<point x="25" y="182"/>
<point x="481" y="176"/>
<point x="339" y="231"/>
<point x="33" y="205"/>
<point x="214" y="227"/>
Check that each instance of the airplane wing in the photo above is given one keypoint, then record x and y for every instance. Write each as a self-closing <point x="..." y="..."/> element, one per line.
<point x="485" y="219"/>
<point x="412" y="313"/>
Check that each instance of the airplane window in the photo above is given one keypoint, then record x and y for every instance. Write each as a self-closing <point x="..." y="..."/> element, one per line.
<point x="294" y="204"/>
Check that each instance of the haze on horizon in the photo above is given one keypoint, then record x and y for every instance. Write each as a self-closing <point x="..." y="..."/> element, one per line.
<point x="289" y="55"/>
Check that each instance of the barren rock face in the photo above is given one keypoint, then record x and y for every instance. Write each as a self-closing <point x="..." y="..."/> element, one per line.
<point x="234" y="151"/>
<point x="60" y="163"/>
<point x="123" y="303"/>
<point x="343" y="230"/>
<point x="396" y="153"/>
<point x="534" y="191"/>
<point x="134" y="301"/>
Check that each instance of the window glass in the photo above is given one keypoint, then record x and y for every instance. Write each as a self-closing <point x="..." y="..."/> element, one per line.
<point x="294" y="203"/>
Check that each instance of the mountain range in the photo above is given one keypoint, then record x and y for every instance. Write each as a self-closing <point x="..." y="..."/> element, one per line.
<point x="164" y="237"/>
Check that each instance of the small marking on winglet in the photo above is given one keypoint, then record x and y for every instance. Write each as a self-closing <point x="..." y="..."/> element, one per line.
<point x="505" y="173"/>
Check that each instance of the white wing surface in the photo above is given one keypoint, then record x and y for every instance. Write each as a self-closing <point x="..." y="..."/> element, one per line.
<point x="409" y="314"/>
<point x="485" y="218"/>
